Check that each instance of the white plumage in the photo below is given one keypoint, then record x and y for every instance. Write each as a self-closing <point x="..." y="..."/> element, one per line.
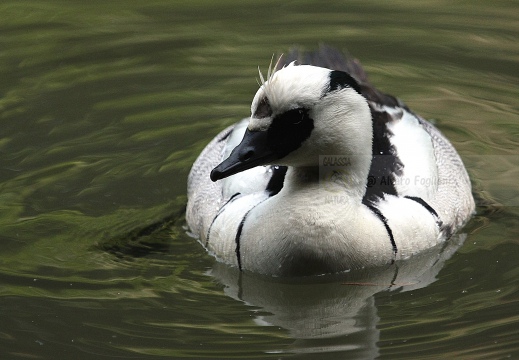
<point x="327" y="175"/>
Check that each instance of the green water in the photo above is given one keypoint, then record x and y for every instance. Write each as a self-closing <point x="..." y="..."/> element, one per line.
<point x="104" y="106"/>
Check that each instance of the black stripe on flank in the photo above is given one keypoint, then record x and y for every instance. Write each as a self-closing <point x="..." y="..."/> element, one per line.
<point x="428" y="208"/>
<point x="274" y="186"/>
<point x="237" y="239"/>
<point x="238" y="234"/>
<point x="385" y="164"/>
<point x="394" y="278"/>
<point x="231" y="199"/>
<point x="388" y="229"/>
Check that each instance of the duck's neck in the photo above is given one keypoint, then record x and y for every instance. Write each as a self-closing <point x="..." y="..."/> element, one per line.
<point x="335" y="176"/>
<point x="300" y="177"/>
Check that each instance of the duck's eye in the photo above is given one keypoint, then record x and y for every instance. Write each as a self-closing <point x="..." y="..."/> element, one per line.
<point x="292" y="118"/>
<point x="298" y="116"/>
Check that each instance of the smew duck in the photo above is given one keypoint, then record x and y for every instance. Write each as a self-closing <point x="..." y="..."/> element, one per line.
<point x="328" y="174"/>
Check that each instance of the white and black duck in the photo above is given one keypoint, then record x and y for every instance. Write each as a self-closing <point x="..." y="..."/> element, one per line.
<point x="328" y="174"/>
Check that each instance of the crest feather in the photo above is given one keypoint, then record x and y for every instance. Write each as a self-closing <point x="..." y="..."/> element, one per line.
<point x="270" y="74"/>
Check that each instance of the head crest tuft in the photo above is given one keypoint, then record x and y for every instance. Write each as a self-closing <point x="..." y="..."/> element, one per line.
<point x="270" y="74"/>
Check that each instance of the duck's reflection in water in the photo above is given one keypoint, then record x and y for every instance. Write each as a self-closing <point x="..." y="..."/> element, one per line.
<point x="332" y="314"/>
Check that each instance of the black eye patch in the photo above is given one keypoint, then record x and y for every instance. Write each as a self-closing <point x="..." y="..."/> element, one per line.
<point x="288" y="131"/>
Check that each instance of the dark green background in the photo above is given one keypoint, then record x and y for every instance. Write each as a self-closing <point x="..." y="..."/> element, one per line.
<point x="104" y="105"/>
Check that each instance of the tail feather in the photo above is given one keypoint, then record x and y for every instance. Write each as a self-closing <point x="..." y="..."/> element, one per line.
<point x="333" y="59"/>
<point x="327" y="57"/>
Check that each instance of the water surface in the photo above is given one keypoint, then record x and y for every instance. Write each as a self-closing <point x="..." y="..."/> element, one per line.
<point x="104" y="106"/>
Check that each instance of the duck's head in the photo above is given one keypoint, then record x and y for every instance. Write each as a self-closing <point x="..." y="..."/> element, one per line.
<point x="299" y="113"/>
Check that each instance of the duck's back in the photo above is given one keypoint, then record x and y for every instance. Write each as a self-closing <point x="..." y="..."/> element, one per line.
<point x="205" y="197"/>
<point x="453" y="200"/>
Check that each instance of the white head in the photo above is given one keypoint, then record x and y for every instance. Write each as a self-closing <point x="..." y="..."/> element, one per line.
<point x="299" y="113"/>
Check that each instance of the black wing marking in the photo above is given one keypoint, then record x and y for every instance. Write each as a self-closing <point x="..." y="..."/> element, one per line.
<point x="385" y="164"/>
